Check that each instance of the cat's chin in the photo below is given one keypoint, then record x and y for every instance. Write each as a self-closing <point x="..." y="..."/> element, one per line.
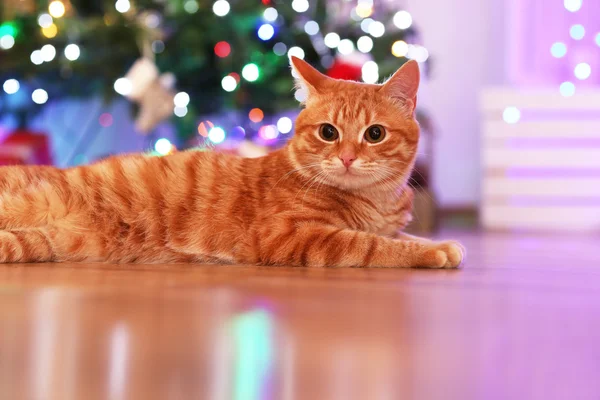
<point x="355" y="180"/>
<point x="350" y="180"/>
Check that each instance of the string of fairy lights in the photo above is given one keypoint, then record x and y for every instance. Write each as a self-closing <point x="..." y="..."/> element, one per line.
<point x="8" y="32"/>
<point x="251" y="72"/>
<point x="559" y="50"/>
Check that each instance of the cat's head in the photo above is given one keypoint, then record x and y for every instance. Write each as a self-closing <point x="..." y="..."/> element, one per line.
<point x="356" y="135"/>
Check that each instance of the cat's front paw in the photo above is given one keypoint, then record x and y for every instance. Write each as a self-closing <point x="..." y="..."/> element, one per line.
<point x="449" y="254"/>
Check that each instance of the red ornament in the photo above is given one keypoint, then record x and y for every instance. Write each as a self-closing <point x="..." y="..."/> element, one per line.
<point x="348" y="67"/>
<point x="222" y="49"/>
<point x="342" y="70"/>
<point x="25" y="148"/>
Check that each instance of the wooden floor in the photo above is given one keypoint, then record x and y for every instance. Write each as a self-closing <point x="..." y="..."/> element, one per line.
<point x="521" y="320"/>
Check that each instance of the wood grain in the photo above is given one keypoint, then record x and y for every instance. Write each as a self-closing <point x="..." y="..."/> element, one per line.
<point x="521" y="320"/>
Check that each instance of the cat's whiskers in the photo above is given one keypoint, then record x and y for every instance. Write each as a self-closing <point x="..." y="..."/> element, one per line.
<point x="389" y="174"/>
<point x="426" y="193"/>
<point x="316" y="176"/>
<point x="391" y="186"/>
<point x="316" y="180"/>
<point x="312" y="165"/>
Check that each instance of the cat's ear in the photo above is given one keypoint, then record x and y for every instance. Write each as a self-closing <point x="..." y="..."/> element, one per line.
<point x="308" y="79"/>
<point x="404" y="84"/>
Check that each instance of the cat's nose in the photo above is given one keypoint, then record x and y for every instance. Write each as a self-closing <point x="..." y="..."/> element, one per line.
<point x="347" y="159"/>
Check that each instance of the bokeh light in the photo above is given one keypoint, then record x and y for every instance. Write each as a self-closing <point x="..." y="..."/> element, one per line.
<point x="228" y="83"/>
<point x="36" y="57"/>
<point x="370" y="72"/>
<point x="311" y="27"/>
<point x="122" y="6"/>
<point x="152" y="20"/>
<point x="365" y="23"/>
<point x="567" y="89"/>
<point x="191" y="6"/>
<point x="364" y="9"/>
<point x="300" y="5"/>
<point x="7" y="42"/>
<point x="11" y="86"/>
<point x="346" y="46"/>
<point x="50" y="31"/>
<point x="296" y="52"/>
<point x="204" y="127"/>
<point x="598" y="39"/>
<point x="266" y="32"/>
<point x="72" y="52"/>
<point x="284" y="125"/>
<point x="8" y="28"/>
<point x="403" y="20"/>
<point x="558" y="49"/>
<point x="123" y="86"/>
<point x="577" y="32"/>
<point x="270" y="14"/>
<point x="250" y="72"/>
<point x="332" y="40"/>
<point x="221" y="8"/>
<point x="163" y="146"/>
<point x="216" y="135"/>
<point x="400" y="48"/>
<point x="237" y="133"/>
<point x="39" y="96"/>
<point x="419" y="54"/>
<point x="222" y="49"/>
<point x="301" y="95"/>
<point x="511" y="115"/>
<point x="268" y="132"/>
<point x="280" y="48"/>
<point x="256" y="115"/>
<point x="573" y="5"/>
<point x="105" y="120"/>
<point x="56" y="9"/>
<point x="181" y="99"/>
<point x="364" y="44"/>
<point x="412" y="52"/>
<point x="158" y="46"/>
<point x="180" y="111"/>
<point x="583" y="71"/>
<point x="45" y="20"/>
<point x="48" y="52"/>
<point x="376" y="29"/>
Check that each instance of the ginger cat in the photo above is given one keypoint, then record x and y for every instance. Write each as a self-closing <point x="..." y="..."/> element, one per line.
<point x="336" y="195"/>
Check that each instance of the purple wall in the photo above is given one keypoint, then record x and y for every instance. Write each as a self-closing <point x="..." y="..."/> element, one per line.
<point x="533" y="26"/>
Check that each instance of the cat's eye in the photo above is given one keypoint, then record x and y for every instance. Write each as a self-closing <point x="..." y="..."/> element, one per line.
<point x="328" y="133"/>
<point x="375" y="134"/>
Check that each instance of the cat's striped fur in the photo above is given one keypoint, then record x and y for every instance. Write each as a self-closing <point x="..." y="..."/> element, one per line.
<point x="292" y="207"/>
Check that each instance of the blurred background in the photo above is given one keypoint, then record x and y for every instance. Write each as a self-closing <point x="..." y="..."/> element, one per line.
<point x="509" y="104"/>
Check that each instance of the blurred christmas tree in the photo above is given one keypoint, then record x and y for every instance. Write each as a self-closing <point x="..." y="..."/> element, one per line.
<point x="216" y="55"/>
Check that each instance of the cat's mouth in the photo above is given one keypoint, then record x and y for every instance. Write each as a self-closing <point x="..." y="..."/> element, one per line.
<point x="350" y="177"/>
<point x="344" y="172"/>
<point x="351" y="174"/>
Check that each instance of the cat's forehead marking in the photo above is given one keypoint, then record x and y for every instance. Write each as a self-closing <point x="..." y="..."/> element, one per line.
<point x="351" y="112"/>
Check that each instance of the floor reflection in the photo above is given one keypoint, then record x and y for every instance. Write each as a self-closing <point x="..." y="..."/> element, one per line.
<point x="118" y="361"/>
<point x="253" y="338"/>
